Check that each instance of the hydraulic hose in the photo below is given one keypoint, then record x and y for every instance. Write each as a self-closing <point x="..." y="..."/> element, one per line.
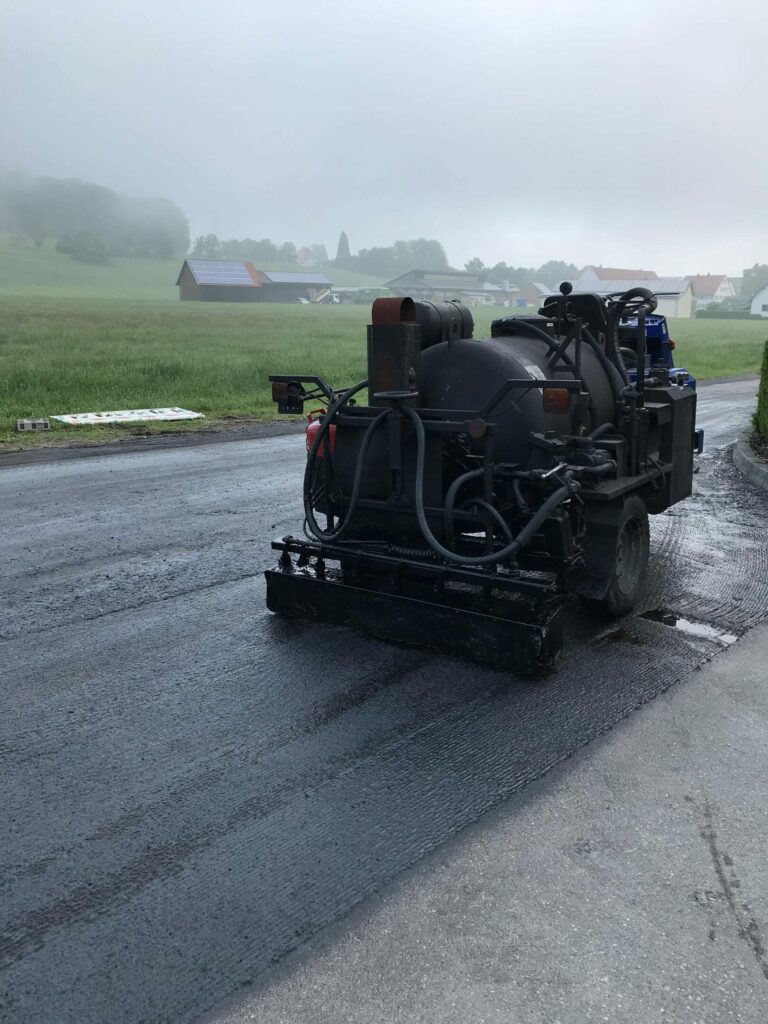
<point x="536" y="332"/>
<point x="450" y="499"/>
<point x="493" y="557"/>
<point x="604" y="428"/>
<point x="494" y="513"/>
<point x="620" y="305"/>
<point x="314" y="528"/>
<point x="609" y="367"/>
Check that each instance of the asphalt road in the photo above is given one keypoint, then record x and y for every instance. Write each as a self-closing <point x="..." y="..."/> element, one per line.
<point x="191" y="788"/>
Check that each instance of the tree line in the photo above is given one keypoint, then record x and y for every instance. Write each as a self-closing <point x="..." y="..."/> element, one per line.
<point x="88" y="221"/>
<point x="550" y="273"/>
<point x="380" y="261"/>
<point x="392" y="260"/>
<point x="263" y="250"/>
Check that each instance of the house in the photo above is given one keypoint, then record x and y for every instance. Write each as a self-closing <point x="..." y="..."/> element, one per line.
<point x="592" y="276"/>
<point x="708" y="288"/>
<point x="240" y="281"/>
<point x="759" y="305"/>
<point x="534" y="293"/>
<point x="674" y="294"/>
<point x="435" y="285"/>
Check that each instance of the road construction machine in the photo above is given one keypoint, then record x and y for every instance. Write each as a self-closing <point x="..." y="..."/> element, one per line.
<point x="463" y="493"/>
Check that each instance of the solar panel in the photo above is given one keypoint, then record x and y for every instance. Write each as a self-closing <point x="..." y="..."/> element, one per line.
<point x="227" y="272"/>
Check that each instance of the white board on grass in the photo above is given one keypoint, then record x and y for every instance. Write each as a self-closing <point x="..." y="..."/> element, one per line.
<point x="80" y="419"/>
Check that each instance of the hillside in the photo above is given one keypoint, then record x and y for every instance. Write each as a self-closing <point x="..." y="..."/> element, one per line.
<point x="44" y="273"/>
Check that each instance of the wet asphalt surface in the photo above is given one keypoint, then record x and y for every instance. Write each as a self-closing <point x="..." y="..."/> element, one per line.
<point x="190" y="787"/>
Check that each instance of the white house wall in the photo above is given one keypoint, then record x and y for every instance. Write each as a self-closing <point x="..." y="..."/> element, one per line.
<point x="759" y="305"/>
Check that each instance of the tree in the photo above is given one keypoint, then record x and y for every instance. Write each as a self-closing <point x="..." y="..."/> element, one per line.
<point x="342" y="249"/>
<point x="206" y="247"/>
<point x="554" y="272"/>
<point x="501" y="274"/>
<point x="58" y="208"/>
<point x="160" y="245"/>
<point x="379" y="261"/>
<point x="264" y="251"/>
<point x="84" y="247"/>
<point x="474" y="266"/>
<point x="319" y="253"/>
<point x="287" y="252"/>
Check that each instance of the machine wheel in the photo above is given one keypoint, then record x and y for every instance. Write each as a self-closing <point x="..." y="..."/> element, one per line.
<point x="616" y="559"/>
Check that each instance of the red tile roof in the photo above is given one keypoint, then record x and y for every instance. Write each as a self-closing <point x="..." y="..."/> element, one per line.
<point x="618" y="274"/>
<point x="705" y="284"/>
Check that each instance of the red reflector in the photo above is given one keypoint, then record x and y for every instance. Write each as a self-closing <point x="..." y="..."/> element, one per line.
<point x="671" y="343"/>
<point x="279" y="390"/>
<point x="556" y="399"/>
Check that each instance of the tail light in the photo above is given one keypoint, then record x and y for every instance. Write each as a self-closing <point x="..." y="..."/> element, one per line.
<point x="556" y="400"/>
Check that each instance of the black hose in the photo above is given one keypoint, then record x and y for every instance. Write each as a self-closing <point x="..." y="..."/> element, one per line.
<point x="604" y="428"/>
<point x="450" y="500"/>
<point x="493" y="557"/>
<point x="325" y="422"/>
<point x="521" y="502"/>
<point x="494" y="513"/>
<point x="610" y="368"/>
<point x="536" y="332"/>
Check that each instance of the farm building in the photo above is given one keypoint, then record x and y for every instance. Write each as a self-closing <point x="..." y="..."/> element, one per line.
<point x="674" y="294"/>
<point x="240" y="281"/>
<point x="449" y="284"/>
<point x="708" y="288"/>
<point x="287" y="286"/>
<point x="759" y="306"/>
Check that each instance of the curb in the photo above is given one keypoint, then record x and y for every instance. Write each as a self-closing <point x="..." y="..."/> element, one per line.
<point x="157" y="442"/>
<point x="727" y="380"/>
<point x="745" y="459"/>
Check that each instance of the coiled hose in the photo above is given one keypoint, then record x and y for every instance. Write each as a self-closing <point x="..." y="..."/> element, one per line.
<point x="514" y="545"/>
<point x="555" y="499"/>
<point x="312" y="524"/>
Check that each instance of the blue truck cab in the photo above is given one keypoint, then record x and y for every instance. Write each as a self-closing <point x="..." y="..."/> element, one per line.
<point x="659" y="347"/>
<point x="658" y="357"/>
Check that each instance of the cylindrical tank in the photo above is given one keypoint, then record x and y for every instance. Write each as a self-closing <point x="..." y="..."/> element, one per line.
<point x="464" y="374"/>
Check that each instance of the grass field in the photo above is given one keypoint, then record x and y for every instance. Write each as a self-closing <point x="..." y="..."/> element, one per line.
<point x="81" y="354"/>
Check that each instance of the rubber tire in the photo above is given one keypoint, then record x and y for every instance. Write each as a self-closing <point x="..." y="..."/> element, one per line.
<point x="627" y="557"/>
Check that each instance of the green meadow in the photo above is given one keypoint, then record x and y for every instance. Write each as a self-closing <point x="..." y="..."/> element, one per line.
<point x="71" y="343"/>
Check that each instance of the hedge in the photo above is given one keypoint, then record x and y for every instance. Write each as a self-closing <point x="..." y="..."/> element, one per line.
<point x="761" y="416"/>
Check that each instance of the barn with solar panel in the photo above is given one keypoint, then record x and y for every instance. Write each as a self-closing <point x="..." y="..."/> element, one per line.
<point x="240" y="281"/>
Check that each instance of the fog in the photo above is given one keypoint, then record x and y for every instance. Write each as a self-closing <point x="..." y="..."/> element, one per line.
<point x="629" y="134"/>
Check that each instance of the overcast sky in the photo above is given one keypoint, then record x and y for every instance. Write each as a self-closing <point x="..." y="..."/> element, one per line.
<point x="603" y="131"/>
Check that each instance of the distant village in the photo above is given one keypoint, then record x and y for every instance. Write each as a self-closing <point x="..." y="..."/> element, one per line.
<point x="230" y="280"/>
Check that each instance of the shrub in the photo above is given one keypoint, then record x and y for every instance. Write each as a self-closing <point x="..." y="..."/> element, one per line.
<point x="761" y="416"/>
